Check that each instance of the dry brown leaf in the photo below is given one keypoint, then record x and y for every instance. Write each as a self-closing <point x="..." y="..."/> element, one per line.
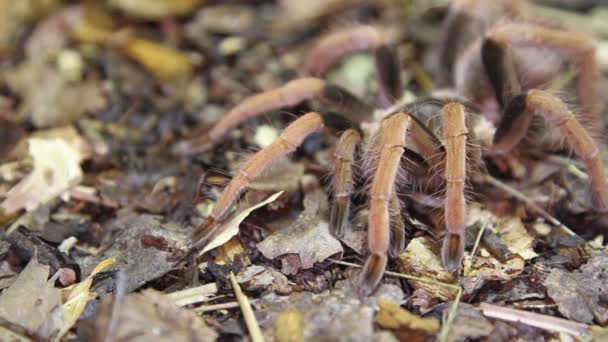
<point x="56" y="169"/>
<point x="155" y="9"/>
<point x="32" y="302"/>
<point x="422" y="260"/>
<point x="516" y="237"/>
<point x="579" y="294"/>
<point x="78" y="296"/>
<point x="16" y="15"/>
<point x="150" y="316"/>
<point x="289" y="326"/>
<point x="231" y="228"/>
<point x="163" y="62"/>
<point x="404" y="324"/>
<point x="489" y="268"/>
<point x="256" y="278"/>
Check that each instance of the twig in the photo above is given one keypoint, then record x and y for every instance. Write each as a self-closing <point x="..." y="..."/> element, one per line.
<point x="477" y="240"/>
<point x="250" y="321"/>
<point x="220" y="306"/>
<point x="529" y="203"/>
<point x="445" y="328"/>
<point x="571" y="166"/>
<point x="536" y="320"/>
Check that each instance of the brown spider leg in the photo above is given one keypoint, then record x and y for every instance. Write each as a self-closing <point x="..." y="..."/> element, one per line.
<point x="287" y="142"/>
<point x="393" y="132"/>
<point x="455" y="136"/>
<point x="290" y="94"/>
<point x="578" y="47"/>
<point x="343" y="181"/>
<point x="338" y="44"/>
<point x="514" y="126"/>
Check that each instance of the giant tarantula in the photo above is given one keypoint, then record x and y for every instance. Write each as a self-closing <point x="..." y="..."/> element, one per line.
<point x="485" y="63"/>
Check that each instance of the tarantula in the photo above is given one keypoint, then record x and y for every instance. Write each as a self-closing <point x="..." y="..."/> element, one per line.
<point x="412" y="143"/>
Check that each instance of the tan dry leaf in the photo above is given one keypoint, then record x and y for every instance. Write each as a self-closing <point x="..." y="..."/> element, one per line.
<point x="392" y="316"/>
<point x="516" y="237"/>
<point x="165" y="63"/>
<point x="32" y="302"/>
<point x="422" y="260"/>
<point x="155" y="9"/>
<point x="56" y="169"/>
<point x="231" y="227"/>
<point x="78" y="296"/>
<point x="490" y="268"/>
<point x="289" y="326"/>
<point x="150" y="316"/>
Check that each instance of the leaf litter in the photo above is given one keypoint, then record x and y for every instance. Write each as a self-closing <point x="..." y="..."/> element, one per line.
<point x="97" y="210"/>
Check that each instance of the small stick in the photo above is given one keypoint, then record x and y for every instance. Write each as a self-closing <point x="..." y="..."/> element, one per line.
<point x="536" y="320"/>
<point x="216" y="307"/>
<point x="477" y="240"/>
<point x="250" y="321"/>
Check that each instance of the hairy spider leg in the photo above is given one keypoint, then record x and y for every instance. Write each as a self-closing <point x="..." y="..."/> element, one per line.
<point x="516" y="120"/>
<point x="455" y="135"/>
<point x="520" y="107"/>
<point x="290" y="94"/>
<point x="578" y="48"/>
<point x="393" y="134"/>
<point x="286" y="143"/>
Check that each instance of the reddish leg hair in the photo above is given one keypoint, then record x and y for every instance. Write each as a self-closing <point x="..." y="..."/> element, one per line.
<point x="286" y="143"/>
<point x="455" y="136"/>
<point x="514" y="126"/>
<point x="393" y="132"/>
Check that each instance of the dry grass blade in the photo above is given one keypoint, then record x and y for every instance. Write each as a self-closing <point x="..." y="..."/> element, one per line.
<point x="536" y="320"/>
<point x="252" y="323"/>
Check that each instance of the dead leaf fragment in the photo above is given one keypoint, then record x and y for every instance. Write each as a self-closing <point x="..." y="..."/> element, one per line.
<point x="256" y="278"/>
<point x="32" y="302"/>
<point x="78" y="296"/>
<point x="404" y="324"/>
<point x="580" y="294"/>
<point x="155" y="9"/>
<point x="231" y="227"/>
<point x="150" y="316"/>
<point x="56" y="169"/>
<point x="165" y="63"/>
<point x="289" y="326"/>
<point x="420" y="259"/>
<point x="516" y="237"/>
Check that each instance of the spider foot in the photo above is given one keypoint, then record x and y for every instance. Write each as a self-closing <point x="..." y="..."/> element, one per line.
<point x="372" y="273"/>
<point x="452" y="252"/>
<point x="338" y="219"/>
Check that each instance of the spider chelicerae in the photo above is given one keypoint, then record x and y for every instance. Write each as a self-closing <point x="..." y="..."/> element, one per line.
<point x="434" y="145"/>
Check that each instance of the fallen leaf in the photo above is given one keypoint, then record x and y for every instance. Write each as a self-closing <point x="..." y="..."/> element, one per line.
<point x="490" y="268"/>
<point x="422" y="260"/>
<point x="78" y="296"/>
<point x="56" y="169"/>
<point x="516" y="237"/>
<point x="149" y="316"/>
<point x="32" y="302"/>
<point x="166" y="63"/>
<point x="580" y="295"/>
<point x="404" y="324"/>
<point x="289" y="326"/>
<point x="231" y="227"/>
<point x="469" y="323"/>
<point x="256" y="278"/>
<point x="155" y="9"/>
